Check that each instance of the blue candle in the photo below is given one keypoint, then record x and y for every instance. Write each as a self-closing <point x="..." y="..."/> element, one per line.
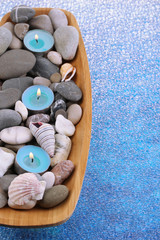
<point x="38" y="40"/>
<point x="38" y="162"/>
<point x="37" y="97"/>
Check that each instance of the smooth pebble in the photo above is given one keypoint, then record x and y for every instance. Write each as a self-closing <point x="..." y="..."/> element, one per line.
<point x="16" y="135"/>
<point x="21" y="109"/>
<point x="54" y="196"/>
<point x="74" y="113"/>
<point x="64" y="126"/>
<point x="62" y="171"/>
<point x="41" y="81"/>
<point x="49" y="178"/>
<point x="55" y="57"/>
<point x="58" y="18"/>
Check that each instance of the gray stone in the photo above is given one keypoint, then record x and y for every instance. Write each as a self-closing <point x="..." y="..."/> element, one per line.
<point x="58" y="96"/>
<point x="22" y="13"/>
<point x="17" y="61"/>
<point x="3" y="198"/>
<point x="60" y="112"/>
<point x="58" y="18"/>
<point x="5" y="39"/>
<point x="9" y="97"/>
<point x="41" y="22"/>
<point x="38" y="118"/>
<point x="59" y="104"/>
<point x="44" y="68"/>
<point x="70" y="91"/>
<point x="21" y="29"/>
<point x="16" y="43"/>
<point x="6" y="180"/>
<point x="9" y="118"/>
<point x="53" y="87"/>
<point x="66" y="41"/>
<point x="21" y="83"/>
<point x="54" y="196"/>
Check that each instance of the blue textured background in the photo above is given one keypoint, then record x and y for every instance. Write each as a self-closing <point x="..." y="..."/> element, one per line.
<point x="120" y="198"/>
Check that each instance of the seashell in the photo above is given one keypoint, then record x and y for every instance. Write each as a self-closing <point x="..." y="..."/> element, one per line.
<point x="67" y="71"/>
<point x="45" y="136"/>
<point x="62" y="149"/>
<point x="24" y="188"/>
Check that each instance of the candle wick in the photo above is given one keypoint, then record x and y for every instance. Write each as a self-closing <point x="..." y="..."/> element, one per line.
<point x="32" y="160"/>
<point x="38" y="97"/>
<point x="36" y="40"/>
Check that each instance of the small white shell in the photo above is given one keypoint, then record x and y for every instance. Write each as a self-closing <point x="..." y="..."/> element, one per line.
<point x="26" y="187"/>
<point x="67" y="71"/>
<point x="45" y="136"/>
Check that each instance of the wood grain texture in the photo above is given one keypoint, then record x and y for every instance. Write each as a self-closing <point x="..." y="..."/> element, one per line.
<point x="39" y="217"/>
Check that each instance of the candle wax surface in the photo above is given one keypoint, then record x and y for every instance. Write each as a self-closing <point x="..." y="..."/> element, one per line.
<point x="41" y="160"/>
<point x="37" y="44"/>
<point x="45" y="40"/>
<point x="28" y="162"/>
<point x="32" y="102"/>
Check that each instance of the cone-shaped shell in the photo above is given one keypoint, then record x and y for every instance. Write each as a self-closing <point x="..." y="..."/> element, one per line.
<point x="67" y="71"/>
<point x="26" y="187"/>
<point x="45" y="136"/>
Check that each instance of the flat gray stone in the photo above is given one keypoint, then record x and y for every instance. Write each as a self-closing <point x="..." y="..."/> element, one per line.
<point x="21" y="83"/>
<point x="58" y="18"/>
<point x="15" y="63"/>
<point x="44" y="68"/>
<point x="66" y="41"/>
<point x="21" y="29"/>
<point x="9" y="97"/>
<point x="41" y="22"/>
<point x="21" y="13"/>
<point x="6" y="180"/>
<point x="9" y="118"/>
<point x="5" y="39"/>
<point x="54" y="196"/>
<point x="70" y="91"/>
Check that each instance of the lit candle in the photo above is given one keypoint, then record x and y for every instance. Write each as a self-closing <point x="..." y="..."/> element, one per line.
<point x="38" y="98"/>
<point x="38" y="93"/>
<point x="32" y="159"/>
<point x="31" y="156"/>
<point x="38" y="40"/>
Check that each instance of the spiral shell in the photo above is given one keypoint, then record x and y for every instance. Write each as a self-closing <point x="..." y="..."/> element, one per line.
<point x="67" y="71"/>
<point x="45" y="136"/>
<point x="24" y="188"/>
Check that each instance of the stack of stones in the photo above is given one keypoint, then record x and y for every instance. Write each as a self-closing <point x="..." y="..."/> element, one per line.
<point x="20" y="69"/>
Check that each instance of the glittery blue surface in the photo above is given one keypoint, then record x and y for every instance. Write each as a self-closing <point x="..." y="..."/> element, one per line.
<point x="120" y="198"/>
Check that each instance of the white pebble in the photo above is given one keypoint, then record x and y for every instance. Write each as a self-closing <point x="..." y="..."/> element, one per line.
<point x="21" y="109"/>
<point x="49" y="178"/>
<point x="64" y="126"/>
<point x="55" y="57"/>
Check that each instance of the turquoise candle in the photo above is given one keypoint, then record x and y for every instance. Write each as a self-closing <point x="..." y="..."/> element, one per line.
<point x="40" y="162"/>
<point x="42" y="43"/>
<point x="37" y="102"/>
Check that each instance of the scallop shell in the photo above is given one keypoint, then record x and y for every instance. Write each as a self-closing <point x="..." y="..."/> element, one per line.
<point x="67" y="71"/>
<point x="26" y="187"/>
<point x="45" y="136"/>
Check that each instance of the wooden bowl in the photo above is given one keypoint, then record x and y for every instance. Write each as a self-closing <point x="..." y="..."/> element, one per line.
<point x="38" y="217"/>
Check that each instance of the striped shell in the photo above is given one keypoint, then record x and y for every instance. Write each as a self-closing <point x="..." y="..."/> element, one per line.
<point x="45" y="136"/>
<point x="67" y="71"/>
<point x="26" y="187"/>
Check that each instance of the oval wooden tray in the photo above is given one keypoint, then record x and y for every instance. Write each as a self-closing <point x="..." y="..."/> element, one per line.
<point x="38" y="217"/>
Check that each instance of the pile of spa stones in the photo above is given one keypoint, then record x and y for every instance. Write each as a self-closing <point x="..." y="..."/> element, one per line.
<point x="20" y="69"/>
